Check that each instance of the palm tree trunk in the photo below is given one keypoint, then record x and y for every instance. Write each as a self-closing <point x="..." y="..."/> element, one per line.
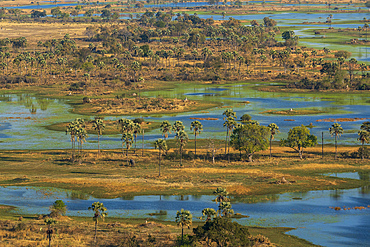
<point x="182" y="235"/>
<point x="159" y="162"/>
<point x="180" y="155"/>
<point x="195" y="144"/>
<point x="270" y="146"/>
<point x="98" y="144"/>
<point x="227" y="134"/>
<point x="96" y="231"/>
<point x="336" y="147"/>
<point x="142" y="149"/>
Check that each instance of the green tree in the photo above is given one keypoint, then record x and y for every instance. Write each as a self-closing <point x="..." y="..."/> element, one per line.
<point x="161" y="145"/>
<point x="223" y="232"/>
<point x="127" y="140"/>
<point x="183" y="219"/>
<point x="246" y="118"/>
<point x="336" y="130"/>
<point x="250" y="138"/>
<point x="57" y="209"/>
<point x="209" y="213"/>
<point x="177" y="126"/>
<point x="136" y="130"/>
<point x="99" y="212"/>
<point x="99" y="127"/>
<point x="221" y="196"/>
<point x="274" y="129"/>
<point x="197" y="128"/>
<point x="225" y="208"/>
<point x="299" y="138"/>
<point x="165" y="128"/>
<point x="364" y="137"/>
<point x="182" y="138"/>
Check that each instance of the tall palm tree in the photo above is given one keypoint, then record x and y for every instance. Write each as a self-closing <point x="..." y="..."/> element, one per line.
<point x="182" y="138"/>
<point x="99" y="127"/>
<point x="177" y="126"/>
<point x="225" y="209"/>
<point x="221" y="196"/>
<point x="136" y="130"/>
<point x="183" y="219"/>
<point x="127" y="139"/>
<point x="198" y="128"/>
<point x="229" y="124"/>
<point x="230" y="117"/>
<point x="99" y="212"/>
<point x="161" y="145"/>
<point x="336" y="130"/>
<point x="49" y="232"/>
<point x="364" y="136"/>
<point x="274" y="129"/>
<point x="165" y="127"/>
<point x="209" y="213"/>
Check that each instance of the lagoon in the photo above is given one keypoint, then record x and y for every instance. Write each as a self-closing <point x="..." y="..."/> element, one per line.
<point x="309" y="213"/>
<point x="20" y="129"/>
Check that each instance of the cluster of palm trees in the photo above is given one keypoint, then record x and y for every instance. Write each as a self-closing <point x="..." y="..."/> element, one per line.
<point x="129" y="130"/>
<point x="78" y="134"/>
<point x="184" y="218"/>
<point x="180" y="135"/>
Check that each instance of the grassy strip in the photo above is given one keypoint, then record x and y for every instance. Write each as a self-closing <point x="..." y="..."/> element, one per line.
<point x="108" y="176"/>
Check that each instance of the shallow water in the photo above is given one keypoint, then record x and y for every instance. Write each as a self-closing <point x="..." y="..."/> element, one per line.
<point x="19" y="129"/>
<point x="309" y="212"/>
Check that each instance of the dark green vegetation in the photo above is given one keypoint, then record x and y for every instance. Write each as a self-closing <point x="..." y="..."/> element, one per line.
<point x="104" y="72"/>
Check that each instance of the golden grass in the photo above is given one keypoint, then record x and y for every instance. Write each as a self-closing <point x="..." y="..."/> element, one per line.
<point x="220" y="171"/>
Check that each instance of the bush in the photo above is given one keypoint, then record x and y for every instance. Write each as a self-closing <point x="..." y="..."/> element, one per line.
<point x="58" y="208"/>
<point x="223" y="232"/>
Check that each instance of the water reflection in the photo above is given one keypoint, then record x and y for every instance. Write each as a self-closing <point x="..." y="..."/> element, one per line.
<point x="76" y="195"/>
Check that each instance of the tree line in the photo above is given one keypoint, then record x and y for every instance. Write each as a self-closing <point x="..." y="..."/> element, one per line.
<point x="246" y="136"/>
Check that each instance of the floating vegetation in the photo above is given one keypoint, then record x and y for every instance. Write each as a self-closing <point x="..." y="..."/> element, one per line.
<point x="347" y="208"/>
<point x="341" y="119"/>
<point x="161" y="212"/>
<point x="205" y="118"/>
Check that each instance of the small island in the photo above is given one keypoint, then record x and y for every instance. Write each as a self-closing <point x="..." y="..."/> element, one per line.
<point x="293" y="112"/>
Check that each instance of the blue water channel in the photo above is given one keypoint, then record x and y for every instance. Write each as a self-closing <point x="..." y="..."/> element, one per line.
<point x="20" y="129"/>
<point x="310" y="213"/>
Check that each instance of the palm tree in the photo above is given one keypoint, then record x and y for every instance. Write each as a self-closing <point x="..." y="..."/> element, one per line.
<point x="161" y="145"/>
<point x="49" y="232"/>
<point x="230" y="117"/>
<point x="336" y="130"/>
<point x="99" y="126"/>
<point x="165" y="127"/>
<point x="274" y="129"/>
<point x="99" y="212"/>
<point x="182" y="138"/>
<point x="183" y="219"/>
<point x="177" y="126"/>
<point x="229" y="124"/>
<point x="197" y="127"/>
<point x="209" y="213"/>
<point x="127" y="140"/>
<point x="225" y="209"/>
<point x="136" y="130"/>
<point x="364" y="136"/>
<point x="221" y="196"/>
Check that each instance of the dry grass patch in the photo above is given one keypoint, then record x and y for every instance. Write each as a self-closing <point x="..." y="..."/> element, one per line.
<point x="220" y="171"/>
<point x="315" y="166"/>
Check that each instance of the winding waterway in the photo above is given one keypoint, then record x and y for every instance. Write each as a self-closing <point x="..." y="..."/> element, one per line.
<point x="20" y="129"/>
<point x="309" y="213"/>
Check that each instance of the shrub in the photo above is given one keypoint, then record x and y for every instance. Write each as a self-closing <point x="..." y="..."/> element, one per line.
<point x="58" y="208"/>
